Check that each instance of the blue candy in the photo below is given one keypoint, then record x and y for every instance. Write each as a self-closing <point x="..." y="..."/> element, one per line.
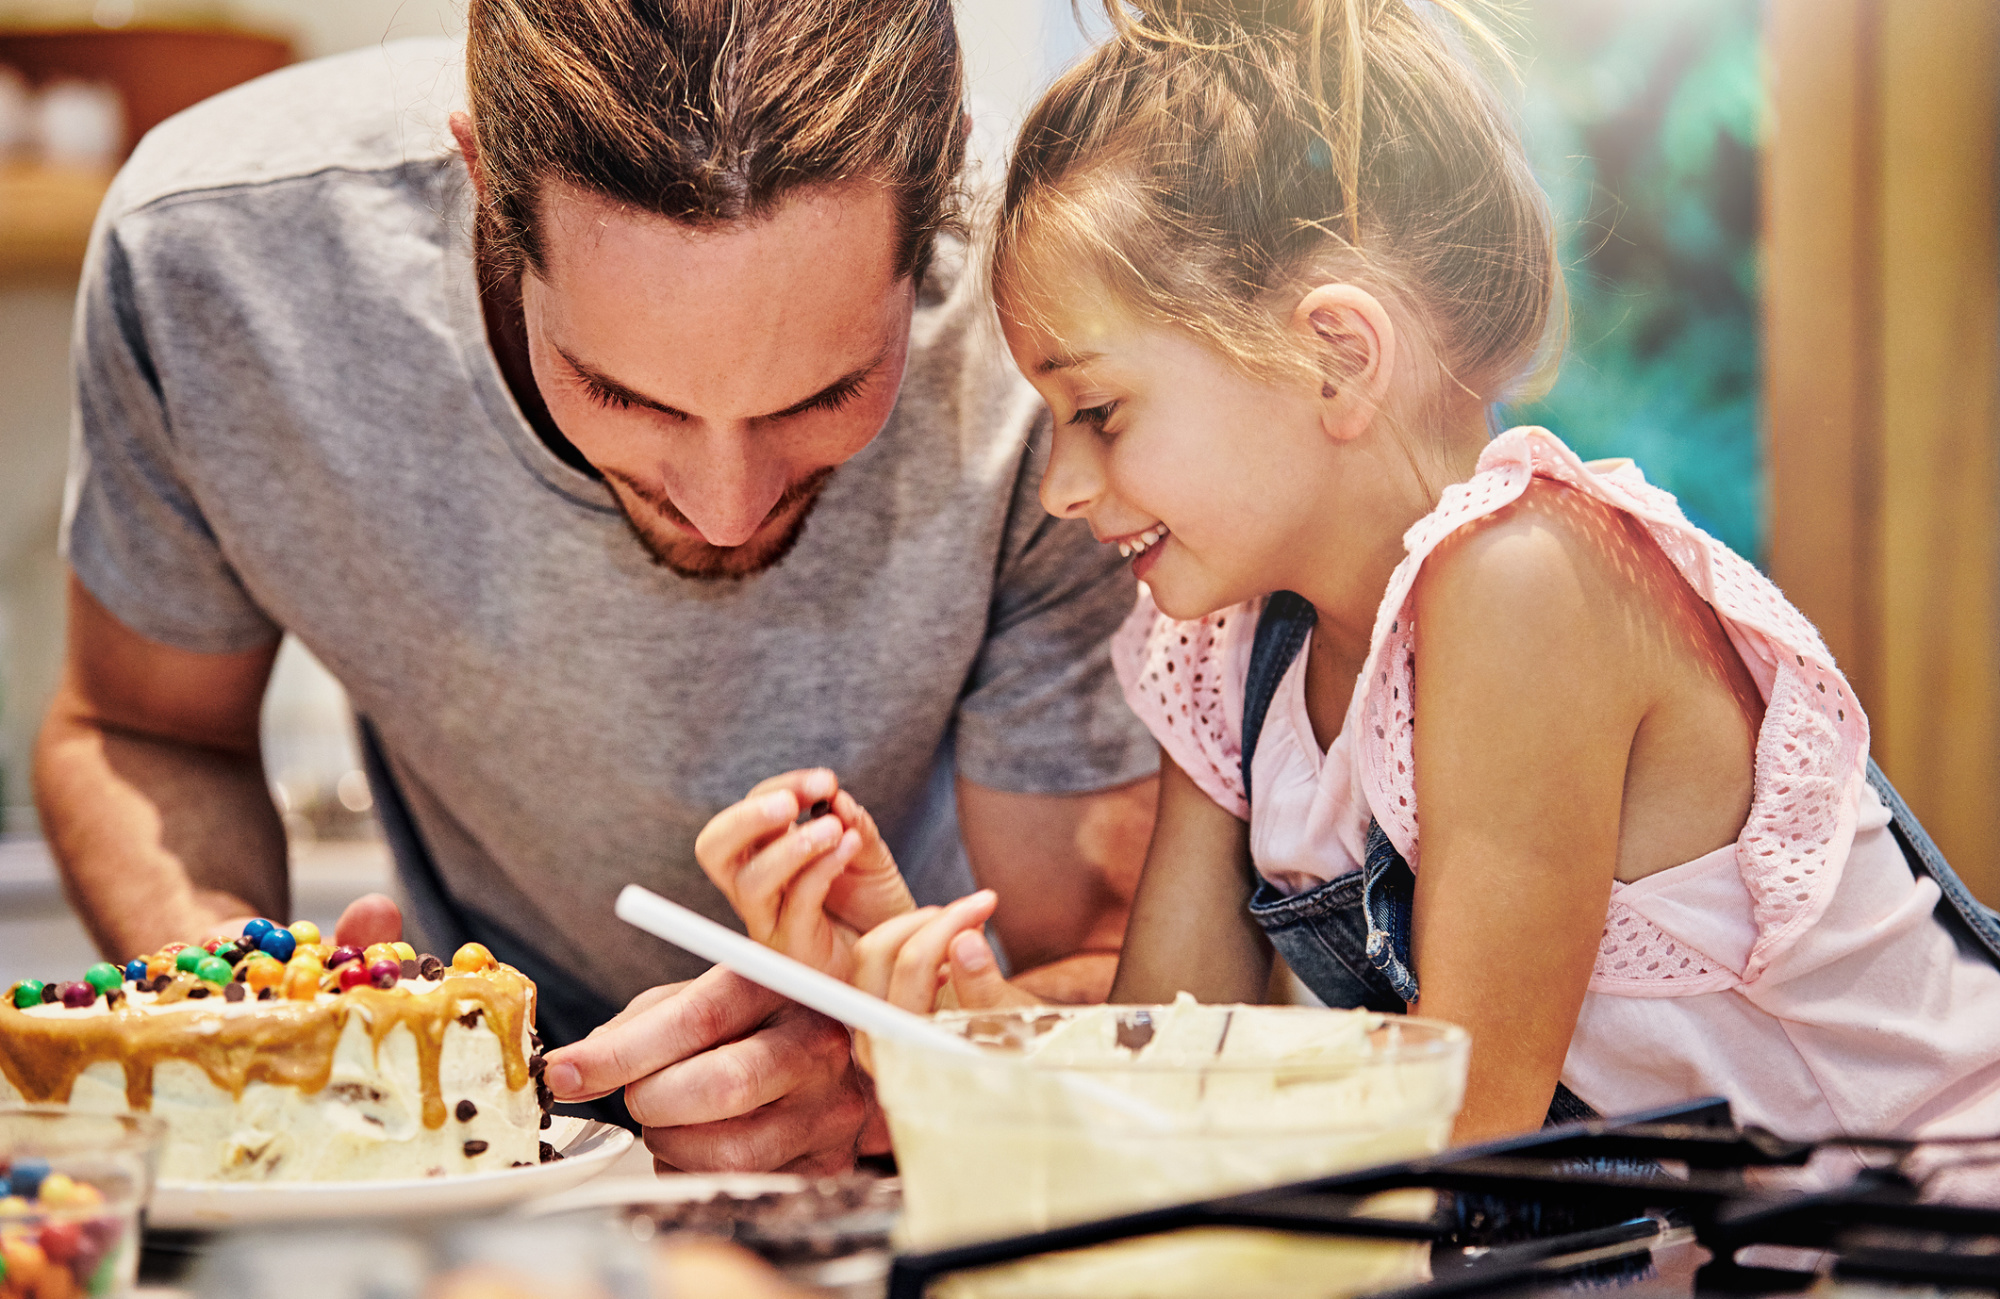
<point x="25" y="1177"/>
<point x="278" y="943"/>
<point x="135" y="971"/>
<point x="254" y="930"/>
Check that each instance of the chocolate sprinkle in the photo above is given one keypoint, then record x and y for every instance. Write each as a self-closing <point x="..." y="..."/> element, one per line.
<point x="409" y="970"/>
<point x="467" y="1111"/>
<point x="232" y="992"/>
<point x="474" y="1148"/>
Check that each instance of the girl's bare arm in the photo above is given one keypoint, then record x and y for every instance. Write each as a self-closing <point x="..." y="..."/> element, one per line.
<point x="1190" y="930"/>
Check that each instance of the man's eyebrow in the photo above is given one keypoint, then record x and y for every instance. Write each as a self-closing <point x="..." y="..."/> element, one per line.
<point x="1065" y="361"/>
<point x="832" y="395"/>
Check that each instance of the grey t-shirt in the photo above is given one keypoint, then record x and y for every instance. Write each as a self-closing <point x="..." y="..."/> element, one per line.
<point x="289" y="418"/>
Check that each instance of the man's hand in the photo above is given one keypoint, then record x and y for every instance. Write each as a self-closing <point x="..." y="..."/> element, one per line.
<point x="372" y="918"/>
<point x="725" y="1076"/>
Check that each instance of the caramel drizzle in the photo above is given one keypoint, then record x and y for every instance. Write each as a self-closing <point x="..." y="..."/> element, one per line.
<point x="285" y="1043"/>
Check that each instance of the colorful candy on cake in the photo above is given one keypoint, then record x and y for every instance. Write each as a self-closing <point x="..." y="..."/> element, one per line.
<point x="278" y="1057"/>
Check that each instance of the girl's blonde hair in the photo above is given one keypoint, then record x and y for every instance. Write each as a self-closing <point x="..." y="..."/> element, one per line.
<point x="1214" y="154"/>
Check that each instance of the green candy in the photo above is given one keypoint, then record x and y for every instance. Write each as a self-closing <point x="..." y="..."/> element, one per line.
<point x="28" y="992"/>
<point x="189" y="957"/>
<point x="213" y="968"/>
<point x="104" y="977"/>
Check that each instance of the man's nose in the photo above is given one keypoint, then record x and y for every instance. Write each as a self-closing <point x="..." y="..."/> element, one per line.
<point x="725" y="484"/>
<point x="1075" y="476"/>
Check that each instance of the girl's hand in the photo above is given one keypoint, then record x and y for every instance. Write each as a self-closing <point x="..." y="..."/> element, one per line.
<point x="909" y="959"/>
<point x="786" y="879"/>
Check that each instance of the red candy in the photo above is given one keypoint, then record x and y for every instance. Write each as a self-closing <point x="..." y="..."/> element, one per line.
<point x="342" y="955"/>
<point x="62" y="1241"/>
<point x="78" y="995"/>
<point x="210" y="944"/>
<point x="383" y="974"/>
<point x="352" y="976"/>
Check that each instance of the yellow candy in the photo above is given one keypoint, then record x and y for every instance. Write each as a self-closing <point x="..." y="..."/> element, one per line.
<point x="15" y="1207"/>
<point x="58" y="1189"/>
<point x="472" y="958"/>
<point x="306" y="932"/>
<point x="404" y="952"/>
<point x="264" y="973"/>
<point x="380" y="952"/>
<point x="302" y="980"/>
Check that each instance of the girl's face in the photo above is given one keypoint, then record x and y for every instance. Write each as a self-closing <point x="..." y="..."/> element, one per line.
<point x="1207" y="478"/>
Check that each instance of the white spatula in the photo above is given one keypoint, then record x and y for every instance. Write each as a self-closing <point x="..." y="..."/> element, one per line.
<point x="798" y="981"/>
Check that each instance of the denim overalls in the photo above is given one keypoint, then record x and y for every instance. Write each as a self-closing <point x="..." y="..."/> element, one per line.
<point x="1349" y="939"/>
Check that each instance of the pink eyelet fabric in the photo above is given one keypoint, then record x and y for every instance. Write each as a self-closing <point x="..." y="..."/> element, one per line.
<point x="1186" y="682"/>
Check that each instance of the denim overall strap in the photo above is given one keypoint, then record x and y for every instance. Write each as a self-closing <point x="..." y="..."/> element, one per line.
<point x="1981" y="923"/>
<point x="1344" y="963"/>
<point x="1282" y="629"/>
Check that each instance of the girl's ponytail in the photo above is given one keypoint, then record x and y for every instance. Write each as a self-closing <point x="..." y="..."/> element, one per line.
<point x="1213" y="151"/>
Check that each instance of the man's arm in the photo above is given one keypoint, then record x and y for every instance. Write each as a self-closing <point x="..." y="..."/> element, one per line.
<point x="1066" y="867"/>
<point x="151" y="789"/>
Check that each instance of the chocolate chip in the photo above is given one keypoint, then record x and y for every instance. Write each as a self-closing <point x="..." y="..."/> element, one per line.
<point x="232" y="954"/>
<point x="232" y="992"/>
<point x="534" y="1038"/>
<point x="470" y="1019"/>
<point x="267" y="994"/>
<point x="51" y="993"/>
<point x="158" y="983"/>
<point x="474" y="1148"/>
<point x="538" y="1065"/>
<point x="467" y="1111"/>
<point x="519" y="1163"/>
<point x="543" y="1096"/>
<point x="549" y="1153"/>
<point x="822" y="808"/>
<point x="429" y="967"/>
<point x="196" y="994"/>
<point x="548" y="1121"/>
<point x="409" y="970"/>
<point x="113" y="998"/>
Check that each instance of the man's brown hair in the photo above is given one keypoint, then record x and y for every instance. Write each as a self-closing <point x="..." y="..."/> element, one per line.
<point x="714" y="111"/>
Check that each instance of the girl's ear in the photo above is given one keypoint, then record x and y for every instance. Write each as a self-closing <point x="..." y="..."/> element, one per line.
<point x="1350" y="335"/>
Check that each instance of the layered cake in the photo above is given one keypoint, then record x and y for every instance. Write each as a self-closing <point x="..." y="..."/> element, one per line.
<point x="277" y="1057"/>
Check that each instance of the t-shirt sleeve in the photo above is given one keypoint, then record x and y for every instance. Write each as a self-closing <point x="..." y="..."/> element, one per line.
<point x="1042" y="712"/>
<point x="1185" y="680"/>
<point x="133" y="529"/>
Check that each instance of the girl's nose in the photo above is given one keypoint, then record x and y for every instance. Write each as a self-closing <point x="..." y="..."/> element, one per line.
<point x="1075" y="477"/>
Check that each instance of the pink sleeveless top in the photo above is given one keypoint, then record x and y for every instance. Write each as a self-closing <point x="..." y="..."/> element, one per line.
<point x="1797" y="971"/>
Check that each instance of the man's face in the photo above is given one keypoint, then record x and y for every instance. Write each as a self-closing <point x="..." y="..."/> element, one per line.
<point x="716" y="377"/>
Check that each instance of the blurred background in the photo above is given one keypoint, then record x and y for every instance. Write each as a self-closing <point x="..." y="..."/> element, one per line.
<point x="1779" y="224"/>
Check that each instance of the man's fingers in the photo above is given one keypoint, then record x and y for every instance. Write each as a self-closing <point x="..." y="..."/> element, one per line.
<point x="644" y="1001"/>
<point x="797" y="1052"/>
<point x="811" y="784"/>
<point x="717" y="1007"/>
<point x="371" y="918"/>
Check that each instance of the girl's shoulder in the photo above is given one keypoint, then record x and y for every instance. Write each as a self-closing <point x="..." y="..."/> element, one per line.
<point x="1185" y="682"/>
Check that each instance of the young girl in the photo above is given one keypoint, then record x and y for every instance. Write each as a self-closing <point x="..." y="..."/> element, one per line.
<point x="1454" y="722"/>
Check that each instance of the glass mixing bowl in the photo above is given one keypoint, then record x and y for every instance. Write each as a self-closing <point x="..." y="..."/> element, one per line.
<point x="69" y="1216"/>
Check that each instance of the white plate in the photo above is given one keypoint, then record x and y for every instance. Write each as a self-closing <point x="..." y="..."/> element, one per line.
<point x="665" y="1189"/>
<point x="587" y="1148"/>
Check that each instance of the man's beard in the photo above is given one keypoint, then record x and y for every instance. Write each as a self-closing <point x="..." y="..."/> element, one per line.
<point x="691" y="557"/>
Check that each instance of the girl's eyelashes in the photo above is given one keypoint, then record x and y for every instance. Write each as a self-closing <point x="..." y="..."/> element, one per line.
<point x="1095" y="416"/>
<point x="602" y="396"/>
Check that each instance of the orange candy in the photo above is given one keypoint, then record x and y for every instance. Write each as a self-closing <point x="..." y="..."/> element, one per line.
<point x="472" y="958"/>
<point x="159" y="965"/>
<point x="264" y="974"/>
<point x="302" y="980"/>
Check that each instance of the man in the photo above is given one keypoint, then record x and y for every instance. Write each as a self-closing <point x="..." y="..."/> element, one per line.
<point x="617" y="430"/>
